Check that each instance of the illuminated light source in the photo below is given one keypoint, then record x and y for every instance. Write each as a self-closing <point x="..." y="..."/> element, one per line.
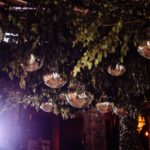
<point x="117" y="71"/>
<point x="12" y="36"/>
<point x="17" y="8"/>
<point x="54" y="80"/>
<point x="144" y="49"/>
<point x="79" y="100"/>
<point x="141" y="123"/>
<point x="47" y="106"/>
<point x="104" y="107"/>
<point x="33" y="63"/>
<point x="146" y="134"/>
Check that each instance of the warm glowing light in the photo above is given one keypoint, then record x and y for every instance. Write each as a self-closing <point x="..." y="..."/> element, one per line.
<point x="141" y="123"/>
<point x="146" y="133"/>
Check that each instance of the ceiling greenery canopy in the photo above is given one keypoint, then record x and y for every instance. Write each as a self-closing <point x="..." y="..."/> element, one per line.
<point x="89" y="49"/>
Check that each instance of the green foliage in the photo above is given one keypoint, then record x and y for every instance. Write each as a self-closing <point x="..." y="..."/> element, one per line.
<point x="79" y="39"/>
<point x="97" y="52"/>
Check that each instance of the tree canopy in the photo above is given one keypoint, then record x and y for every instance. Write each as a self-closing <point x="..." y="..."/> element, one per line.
<point x="79" y="40"/>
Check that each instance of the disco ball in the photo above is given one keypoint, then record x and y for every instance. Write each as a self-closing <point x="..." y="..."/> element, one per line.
<point x="33" y="63"/>
<point x="144" y="49"/>
<point x="117" y="71"/>
<point x="104" y="107"/>
<point x="47" y="106"/>
<point x="54" y="80"/>
<point x="79" y="100"/>
<point x="119" y="111"/>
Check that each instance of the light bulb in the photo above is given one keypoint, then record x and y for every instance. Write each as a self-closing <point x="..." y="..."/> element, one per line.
<point x="146" y="133"/>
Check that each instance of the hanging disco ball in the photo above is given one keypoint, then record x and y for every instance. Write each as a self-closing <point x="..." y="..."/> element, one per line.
<point x="33" y="63"/>
<point x="144" y="49"/>
<point x="104" y="107"/>
<point x="119" y="111"/>
<point x="117" y="71"/>
<point x="54" y="80"/>
<point x="79" y="100"/>
<point x="47" y="106"/>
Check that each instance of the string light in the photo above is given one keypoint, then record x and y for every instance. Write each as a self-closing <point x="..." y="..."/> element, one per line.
<point x="141" y="123"/>
<point x="146" y="134"/>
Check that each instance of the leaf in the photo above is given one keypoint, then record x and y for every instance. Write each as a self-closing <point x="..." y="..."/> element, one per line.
<point x="76" y="70"/>
<point x="105" y="54"/>
<point x="96" y="62"/>
<point x="104" y="47"/>
<point x="22" y="83"/>
<point x="121" y="59"/>
<point x="89" y="65"/>
<point x="11" y="75"/>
